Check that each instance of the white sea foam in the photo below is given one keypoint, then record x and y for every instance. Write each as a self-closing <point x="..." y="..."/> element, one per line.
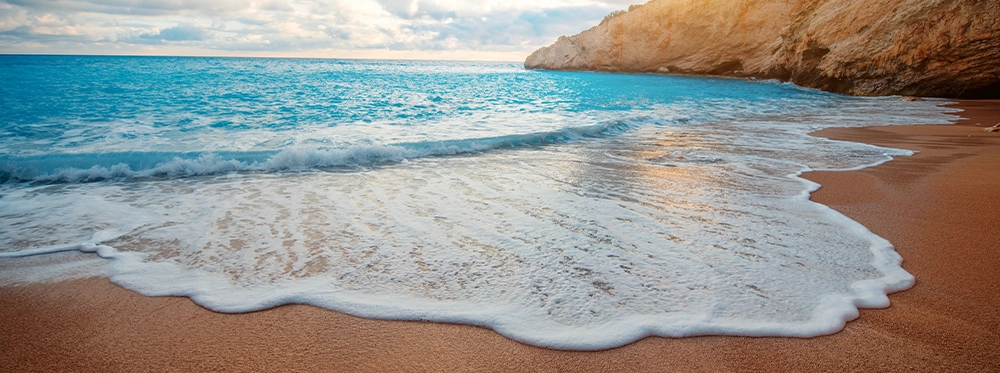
<point x="671" y="218"/>
<point x="54" y="169"/>
<point x="588" y="245"/>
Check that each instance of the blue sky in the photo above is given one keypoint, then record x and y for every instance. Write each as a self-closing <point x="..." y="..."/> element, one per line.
<point x="409" y="29"/>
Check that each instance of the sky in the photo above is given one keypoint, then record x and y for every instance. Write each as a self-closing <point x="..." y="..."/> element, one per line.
<point x="486" y="30"/>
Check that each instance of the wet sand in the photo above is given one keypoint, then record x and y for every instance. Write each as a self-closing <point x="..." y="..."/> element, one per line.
<point x="941" y="209"/>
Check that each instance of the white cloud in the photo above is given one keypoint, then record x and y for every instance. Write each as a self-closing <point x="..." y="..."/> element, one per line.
<point x="446" y="29"/>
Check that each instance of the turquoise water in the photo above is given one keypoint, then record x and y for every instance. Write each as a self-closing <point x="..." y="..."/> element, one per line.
<point x="562" y="209"/>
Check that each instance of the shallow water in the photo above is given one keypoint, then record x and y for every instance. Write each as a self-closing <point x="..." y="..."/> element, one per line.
<point x="567" y="210"/>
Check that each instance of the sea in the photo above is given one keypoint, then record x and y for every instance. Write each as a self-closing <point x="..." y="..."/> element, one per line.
<point x="569" y="210"/>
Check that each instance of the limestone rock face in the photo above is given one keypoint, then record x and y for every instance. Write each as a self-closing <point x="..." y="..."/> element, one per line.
<point x="940" y="48"/>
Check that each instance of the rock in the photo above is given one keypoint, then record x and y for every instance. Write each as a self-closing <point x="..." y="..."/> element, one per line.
<point x="910" y="98"/>
<point x="862" y="47"/>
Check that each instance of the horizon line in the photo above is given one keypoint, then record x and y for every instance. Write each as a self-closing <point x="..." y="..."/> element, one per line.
<point x="249" y="56"/>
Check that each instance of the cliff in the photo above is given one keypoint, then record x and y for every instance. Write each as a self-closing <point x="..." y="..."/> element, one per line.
<point x="934" y="48"/>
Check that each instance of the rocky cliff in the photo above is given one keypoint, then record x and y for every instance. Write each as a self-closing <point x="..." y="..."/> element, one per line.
<point x="937" y="48"/>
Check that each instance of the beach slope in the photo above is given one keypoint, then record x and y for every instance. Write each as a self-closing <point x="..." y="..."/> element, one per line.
<point x="938" y="207"/>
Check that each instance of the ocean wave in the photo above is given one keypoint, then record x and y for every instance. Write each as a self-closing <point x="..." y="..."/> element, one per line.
<point x="70" y="168"/>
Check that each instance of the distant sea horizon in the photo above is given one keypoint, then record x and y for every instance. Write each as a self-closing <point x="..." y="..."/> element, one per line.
<point x="571" y="210"/>
<point x="253" y="56"/>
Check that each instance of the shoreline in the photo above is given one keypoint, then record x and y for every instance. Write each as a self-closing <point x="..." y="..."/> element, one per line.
<point x="938" y="207"/>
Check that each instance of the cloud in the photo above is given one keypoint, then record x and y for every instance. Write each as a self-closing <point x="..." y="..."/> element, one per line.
<point x="130" y="7"/>
<point x="178" y="33"/>
<point x="322" y="28"/>
<point x="416" y="9"/>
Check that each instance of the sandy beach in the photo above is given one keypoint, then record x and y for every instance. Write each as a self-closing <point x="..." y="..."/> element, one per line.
<point x="939" y="208"/>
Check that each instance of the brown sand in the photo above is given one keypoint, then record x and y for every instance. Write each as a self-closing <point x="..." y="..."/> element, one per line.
<point x="940" y="208"/>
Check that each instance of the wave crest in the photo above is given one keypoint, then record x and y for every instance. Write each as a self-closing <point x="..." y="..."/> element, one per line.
<point x="124" y="166"/>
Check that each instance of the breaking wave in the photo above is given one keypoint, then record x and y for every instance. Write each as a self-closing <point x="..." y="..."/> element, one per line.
<point x="70" y="168"/>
